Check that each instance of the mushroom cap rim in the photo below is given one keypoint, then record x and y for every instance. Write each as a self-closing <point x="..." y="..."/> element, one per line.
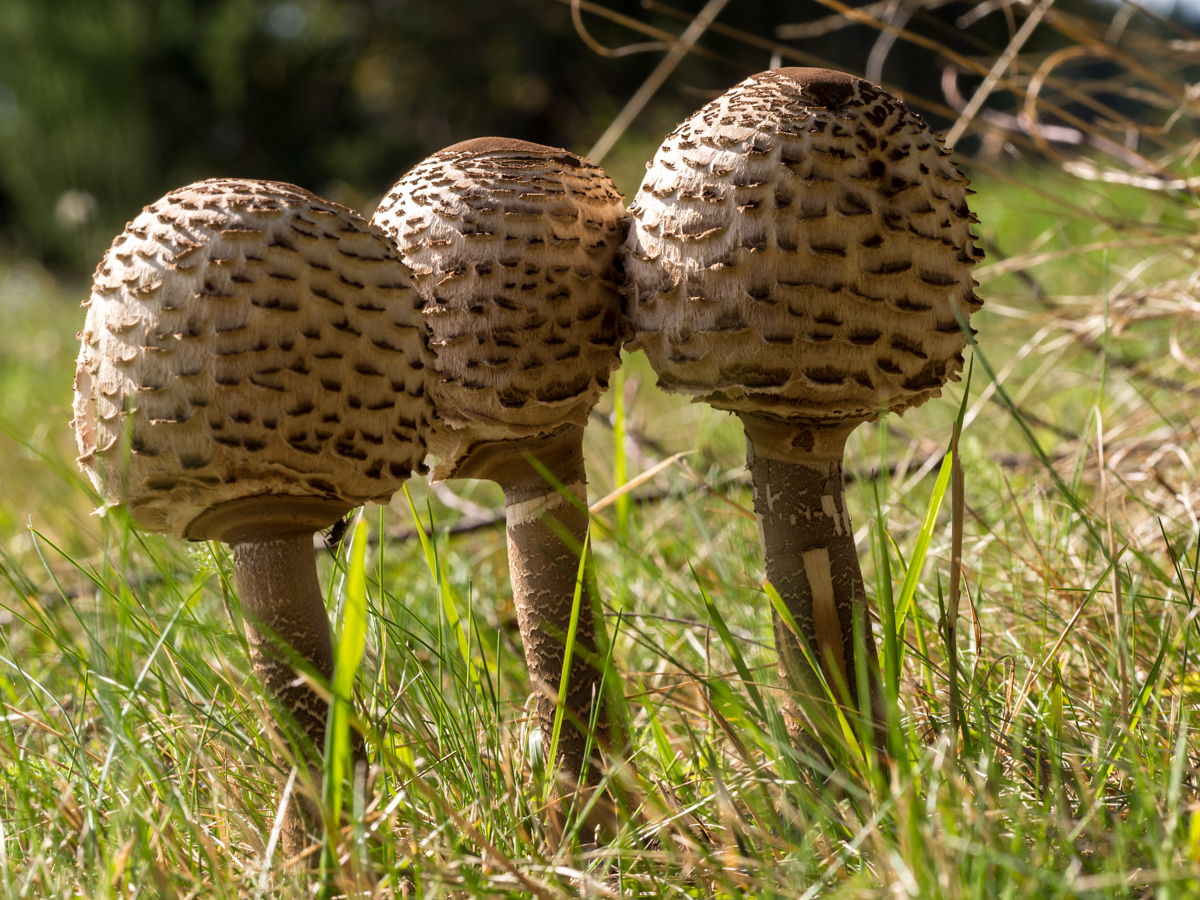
<point x="265" y="517"/>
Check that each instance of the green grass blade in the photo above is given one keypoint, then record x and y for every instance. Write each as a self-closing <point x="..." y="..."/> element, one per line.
<point x="666" y="753"/>
<point x="908" y="588"/>
<point x="568" y="653"/>
<point x="887" y="608"/>
<point x="731" y="647"/>
<point x="620" y="460"/>
<point x="445" y="592"/>
<point x="426" y="543"/>
<point x="1139" y="709"/>
<point x="820" y="719"/>
<point x="347" y="657"/>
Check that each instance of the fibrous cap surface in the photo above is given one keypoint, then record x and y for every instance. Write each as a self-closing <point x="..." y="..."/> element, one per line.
<point x="799" y="249"/>
<point x="512" y="247"/>
<point x="249" y="339"/>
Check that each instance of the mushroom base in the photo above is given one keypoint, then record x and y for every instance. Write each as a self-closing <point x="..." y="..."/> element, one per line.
<point x="808" y="541"/>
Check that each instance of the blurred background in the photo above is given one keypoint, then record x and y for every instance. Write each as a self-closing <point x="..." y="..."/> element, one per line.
<point x="107" y="104"/>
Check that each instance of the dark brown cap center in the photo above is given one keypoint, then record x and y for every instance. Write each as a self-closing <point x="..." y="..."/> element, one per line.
<point x="827" y="87"/>
<point x="480" y="146"/>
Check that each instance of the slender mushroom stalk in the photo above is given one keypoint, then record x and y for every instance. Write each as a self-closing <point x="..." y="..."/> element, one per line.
<point x="252" y="368"/>
<point x="798" y="252"/>
<point x="512" y="247"/>
<point x="546" y="529"/>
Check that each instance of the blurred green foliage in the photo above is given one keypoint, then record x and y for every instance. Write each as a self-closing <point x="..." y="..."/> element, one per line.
<point x="107" y="104"/>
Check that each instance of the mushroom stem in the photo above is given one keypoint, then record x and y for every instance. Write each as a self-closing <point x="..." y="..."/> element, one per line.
<point x="546" y="532"/>
<point x="285" y="619"/>
<point x="808" y="542"/>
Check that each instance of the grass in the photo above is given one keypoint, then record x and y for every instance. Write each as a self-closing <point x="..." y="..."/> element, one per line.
<point x="133" y="751"/>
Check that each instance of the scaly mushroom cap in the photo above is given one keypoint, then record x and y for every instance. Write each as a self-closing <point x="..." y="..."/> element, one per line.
<point x="251" y="339"/>
<point x="798" y="249"/>
<point x="512" y="247"/>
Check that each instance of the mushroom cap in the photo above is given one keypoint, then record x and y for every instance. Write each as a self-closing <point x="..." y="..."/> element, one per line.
<point x="512" y="246"/>
<point x="247" y="339"/>
<point x="798" y="249"/>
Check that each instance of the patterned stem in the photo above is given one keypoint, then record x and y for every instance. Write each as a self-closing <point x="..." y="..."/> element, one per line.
<point x="811" y="559"/>
<point x="285" y="619"/>
<point x="546" y="530"/>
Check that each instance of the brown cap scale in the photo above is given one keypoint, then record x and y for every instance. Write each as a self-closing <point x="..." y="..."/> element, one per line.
<point x="800" y="253"/>
<point x="252" y="367"/>
<point x="512" y="246"/>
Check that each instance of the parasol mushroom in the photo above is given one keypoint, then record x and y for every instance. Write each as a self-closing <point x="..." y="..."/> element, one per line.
<point x="512" y="246"/>
<point x="251" y="369"/>
<point x="799" y="255"/>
